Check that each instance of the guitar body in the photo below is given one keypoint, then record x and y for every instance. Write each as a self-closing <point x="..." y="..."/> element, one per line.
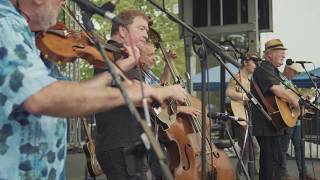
<point x="183" y="144"/>
<point x="284" y="116"/>
<point x="239" y="110"/>
<point x="93" y="166"/>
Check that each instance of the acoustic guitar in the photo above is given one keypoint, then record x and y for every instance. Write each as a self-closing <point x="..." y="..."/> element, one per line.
<point x="93" y="165"/>
<point x="282" y="114"/>
<point x="237" y="108"/>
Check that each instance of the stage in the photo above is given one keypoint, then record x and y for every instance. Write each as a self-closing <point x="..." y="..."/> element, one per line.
<point x="75" y="167"/>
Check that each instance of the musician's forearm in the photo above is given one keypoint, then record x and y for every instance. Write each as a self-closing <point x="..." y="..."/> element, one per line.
<point x="279" y="91"/>
<point x="100" y="80"/>
<point x="76" y="100"/>
<point x="236" y="96"/>
<point x="165" y="77"/>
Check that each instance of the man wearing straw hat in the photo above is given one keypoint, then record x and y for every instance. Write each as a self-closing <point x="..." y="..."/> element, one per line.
<point x="266" y="82"/>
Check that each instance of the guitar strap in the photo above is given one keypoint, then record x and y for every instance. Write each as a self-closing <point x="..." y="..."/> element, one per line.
<point x="86" y="128"/>
<point x="95" y="168"/>
<point x="270" y="109"/>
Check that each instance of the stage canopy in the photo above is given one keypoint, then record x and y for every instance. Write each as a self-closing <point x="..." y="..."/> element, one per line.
<point x="301" y="80"/>
<point x="214" y="78"/>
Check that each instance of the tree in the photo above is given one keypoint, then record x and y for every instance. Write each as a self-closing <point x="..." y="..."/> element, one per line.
<point x="166" y="28"/>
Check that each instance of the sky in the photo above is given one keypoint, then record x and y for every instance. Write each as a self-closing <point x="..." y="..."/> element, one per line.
<point x="297" y="24"/>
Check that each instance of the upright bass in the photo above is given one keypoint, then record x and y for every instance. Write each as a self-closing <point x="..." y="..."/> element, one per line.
<point x="182" y="138"/>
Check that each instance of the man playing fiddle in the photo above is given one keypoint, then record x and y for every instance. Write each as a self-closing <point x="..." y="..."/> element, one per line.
<point x="33" y="101"/>
<point x="118" y="134"/>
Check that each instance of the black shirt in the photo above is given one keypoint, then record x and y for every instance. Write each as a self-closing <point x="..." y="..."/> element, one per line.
<point x="264" y="76"/>
<point x="117" y="127"/>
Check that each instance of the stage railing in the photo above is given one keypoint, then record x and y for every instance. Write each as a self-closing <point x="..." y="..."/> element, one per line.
<point x="311" y="125"/>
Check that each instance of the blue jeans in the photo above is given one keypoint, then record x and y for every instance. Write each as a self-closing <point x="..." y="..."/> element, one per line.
<point x="295" y="135"/>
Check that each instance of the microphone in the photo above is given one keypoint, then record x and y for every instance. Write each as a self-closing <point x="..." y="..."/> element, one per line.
<point x="86" y="15"/>
<point x="109" y="6"/>
<point x="224" y="47"/>
<point x="224" y="116"/>
<point x="104" y="11"/>
<point x="290" y="61"/>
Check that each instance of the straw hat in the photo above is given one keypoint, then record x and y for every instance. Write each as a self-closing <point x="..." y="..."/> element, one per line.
<point x="296" y="67"/>
<point x="274" y="44"/>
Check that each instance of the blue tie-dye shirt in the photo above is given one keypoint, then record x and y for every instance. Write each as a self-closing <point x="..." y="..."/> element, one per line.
<point x="150" y="78"/>
<point x="31" y="146"/>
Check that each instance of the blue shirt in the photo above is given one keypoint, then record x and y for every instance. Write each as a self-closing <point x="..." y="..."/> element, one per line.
<point x="31" y="146"/>
<point x="150" y="78"/>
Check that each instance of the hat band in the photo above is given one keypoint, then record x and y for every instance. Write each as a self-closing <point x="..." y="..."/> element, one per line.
<point x="274" y="46"/>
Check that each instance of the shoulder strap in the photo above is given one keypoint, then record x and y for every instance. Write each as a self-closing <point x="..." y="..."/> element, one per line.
<point x="87" y="129"/>
<point x="270" y="109"/>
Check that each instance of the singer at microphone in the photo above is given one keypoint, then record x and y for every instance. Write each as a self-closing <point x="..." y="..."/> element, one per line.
<point x="290" y="61"/>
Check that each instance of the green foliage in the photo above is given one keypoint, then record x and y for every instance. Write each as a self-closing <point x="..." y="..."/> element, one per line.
<point x="165" y="27"/>
<point x="169" y="32"/>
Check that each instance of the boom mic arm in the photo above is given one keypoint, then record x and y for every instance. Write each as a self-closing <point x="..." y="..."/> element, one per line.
<point x="91" y="8"/>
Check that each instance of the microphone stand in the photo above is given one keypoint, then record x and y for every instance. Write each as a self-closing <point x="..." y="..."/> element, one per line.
<point x="238" y="156"/>
<point x="147" y="137"/>
<point x="313" y="82"/>
<point x="202" y="54"/>
<point x="220" y="54"/>
<point x="302" y="140"/>
<point x="250" y="143"/>
<point x="208" y="42"/>
<point x="220" y="121"/>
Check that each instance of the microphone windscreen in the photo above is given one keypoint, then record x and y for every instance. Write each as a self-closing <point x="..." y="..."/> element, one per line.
<point x="289" y="62"/>
<point x="109" y="6"/>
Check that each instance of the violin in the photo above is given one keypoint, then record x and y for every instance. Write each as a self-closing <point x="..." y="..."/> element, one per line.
<point x="63" y="45"/>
